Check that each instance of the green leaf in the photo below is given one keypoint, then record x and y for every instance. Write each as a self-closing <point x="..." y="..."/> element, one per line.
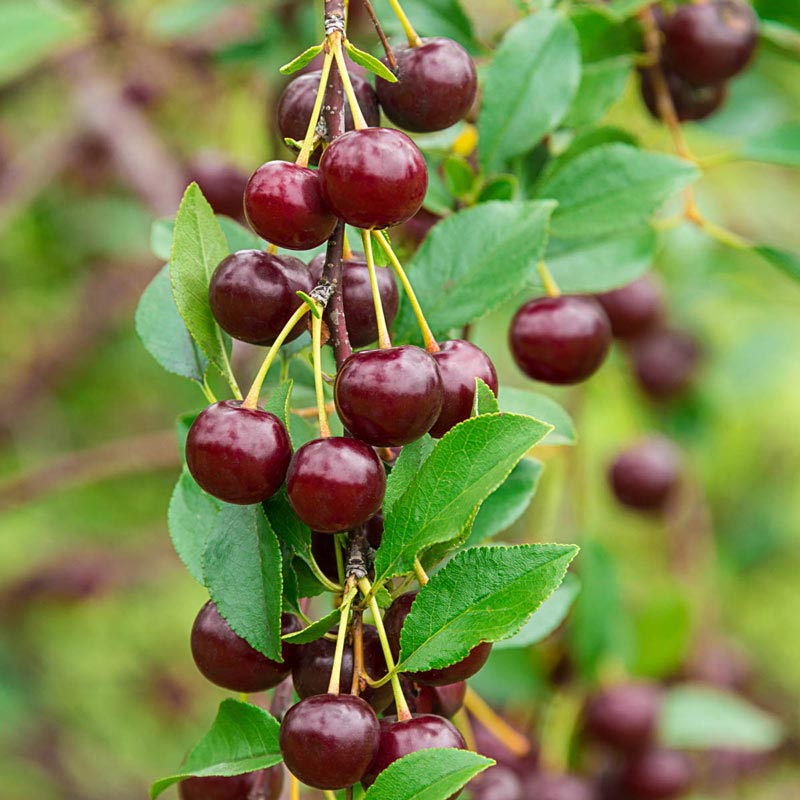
<point x="485" y="402"/>
<point x="612" y="188"/>
<point x="459" y="177"/>
<point x="467" y="464"/>
<point x="697" y="717"/>
<point x="529" y="86"/>
<point x="405" y="468"/>
<point x="306" y="57"/>
<point x="431" y="18"/>
<point x="431" y="774"/>
<point x="626" y="8"/>
<point x="198" y="245"/>
<point x="242" y="570"/>
<point x="539" y="406"/>
<point x="779" y="146"/>
<point x="316" y="630"/>
<point x="601" y="34"/>
<point x="785" y="261"/>
<point x="547" y="618"/>
<point x="161" y="238"/>
<point x="181" y="19"/>
<point x="243" y="738"/>
<point x="602" y="84"/>
<point x="472" y="261"/>
<point x="483" y="594"/>
<point x="279" y="403"/>
<point x="237" y="236"/>
<point x="499" y="187"/>
<point x="369" y="62"/>
<point x="288" y="528"/>
<point x="163" y="332"/>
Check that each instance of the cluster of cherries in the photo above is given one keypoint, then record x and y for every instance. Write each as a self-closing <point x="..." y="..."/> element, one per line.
<point x="704" y="45"/>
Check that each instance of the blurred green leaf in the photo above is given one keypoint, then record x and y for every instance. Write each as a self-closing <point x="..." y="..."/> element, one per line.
<point x="602" y="84"/>
<point x="499" y="187"/>
<point x="542" y="407"/>
<point x="458" y="176"/>
<point x="430" y="18"/>
<point x="305" y="58"/>
<point x="184" y="17"/>
<point x="785" y="261"/>
<point x="778" y="146"/>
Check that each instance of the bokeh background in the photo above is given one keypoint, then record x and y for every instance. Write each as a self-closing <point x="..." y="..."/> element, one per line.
<point x="107" y="109"/>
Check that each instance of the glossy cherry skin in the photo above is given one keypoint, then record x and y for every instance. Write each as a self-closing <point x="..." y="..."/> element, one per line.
<point x="221" y="183"/>
<point x="335" y="484"/>
<point x="634" y="309"/>
<point x="691" y="103"/>
<point x="436" y="86"/>
<point x="328" y="740"/>
<point x="549" y="786"/>
<point x="665" y="363"/>
<point x="710" y="42"/>
<point x="625" y="716"/>
<point x="253" y="294"/>
<point x="229" y="661"/>
<point x="560" y="340"/>
<point x="373" y="178"/>
<point x="646" y="475"/>
<point x="658" y="775"/>
<point x="389" y="397"/>
<point x="497" y="782"/>
<point x="283" y="203"/>
<point x="445" y="701"/>
<point x="460" y="363"/>
<point x="398" y="738"/>
<point x="359" y="310"/>
<point x="262" y="785"/>
<point x="236" y="454"/>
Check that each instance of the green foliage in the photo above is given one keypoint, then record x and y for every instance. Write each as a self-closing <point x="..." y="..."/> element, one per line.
<point x="431" y="18"/>
<point x="778" y="146"/>
<point x="786" y="262"/>
<point x="540" y="406"/>
<point x="369" y="62"/>
<point x="305" y="58"/>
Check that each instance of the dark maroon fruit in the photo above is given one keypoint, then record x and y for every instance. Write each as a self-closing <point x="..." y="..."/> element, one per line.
<point x="496" y="783"/>
<point x="266" y="784"/>
<point x="221" y="183"/>
<point x="328" y="740"/>
<point x="435" y="88"/>
<point x="710" y="42"/>
<point x="323" y="548"/>
<point x="646" y="475"/>
<point x="624" y="716"/>
<point x="445" y="701"/>
<point x="373" y="178"/>
<point x="657" y="775"/>
<point x="550" y="786"/>
<point x="413" y="231"/>
<point x="665" y="363"/>
<point x="487" y="744"/>
<point x="229" y="661"/>
<point x="634" y="309"/>
<point x="460" y="363"/>
<point x="335" y="484"/>
<point x="560" y="340"/>
<point x="253" y="294"/>
<point x="283" y="203"/>
<point x="389" y="397"/>
<point x="237" y="454"/>
<point x="375" y="530"/>
<point x="398" y="738"/>
<point x="691" y="103"/>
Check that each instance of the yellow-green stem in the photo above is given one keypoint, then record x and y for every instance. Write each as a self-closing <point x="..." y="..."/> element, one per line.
<point x="548" y="281"/>
<point x="408" y="29"/>
<point x="496" y="725"/>
<point x="294" y="793"/>
<point x="338" y="654"/>
<point x="723" y="235"/>
<point x="316" y="344"/>
<point x="328" y="794"/>
<point x="272" y="249"/>
<point x="384" y="341"/>
<point x="358" y="118"/>
<point x="340" y="540"/>
<point x="207" y="391"/>
<point x="422" y="576"/>
<point x="308" y="142"/>
<point x="322" y="577"/>
<point x="462" y="721"/>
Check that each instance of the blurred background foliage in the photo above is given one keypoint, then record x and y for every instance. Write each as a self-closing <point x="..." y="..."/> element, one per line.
<point x="105" y="109"/>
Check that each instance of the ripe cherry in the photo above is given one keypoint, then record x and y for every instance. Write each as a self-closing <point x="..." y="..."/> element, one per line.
<point x="646" y="475"/>
<point x="624" y="716"/>
<point x="253" y="294"/>
<point x="497" y="782"/>
<point x="413" y="232"/>
<point x="227" y="660"/>
<point x="460" y="363"/>
<point x="389" y="397"/>
<point x="691" y="103"/>
<point x="551" y="786"/>
<point x="445" y="701"/>
<point x="710" y="42"/>
<point x="266" y="784"/>
<point x="665" y="363"/>
<point x="373" y="178"/>
<point x="560" y="340"/>
<point x="335" y="484"/>
<point x="329" y="740"/>
<point x="283" y="203"/>
<point x="398" y="738"/>
<point x="435" y="88"/>
<point x="658" y="775"/>
<point x="221" y="183"/>
<point x="237" y="454"/>
<point x="635" y="308"/>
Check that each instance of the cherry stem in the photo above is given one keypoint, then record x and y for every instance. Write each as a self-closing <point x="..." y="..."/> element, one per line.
<point x="272" y="249"/>
<point x="558" y="730"/>
<point x="462" y="721"/>
<point x="295" y="788"/>
<point x="251" y="401"/>
<point x="358" y="118"/>
<point x="322" y="577"/>
<point x="384" y="340"/>
<point x="427" y="335"/>
<point x="422" y="576"/>
<point x="328" y="794"/>
<point x="408" y="29"/>
<point x="548" y="281"/>
<point x="308" y="142"/>
<point x="339" y="541"/>
<point x="518" y="744"/>
<point x="338" y="655"/>
<point x="358" y="652"/>
<point x="347" y="253"/>
<point x="381" y="35"/>
<point x="316" y="348"/>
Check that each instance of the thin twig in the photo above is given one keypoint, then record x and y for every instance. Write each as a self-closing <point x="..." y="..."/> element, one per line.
<point x="381" y="35"/>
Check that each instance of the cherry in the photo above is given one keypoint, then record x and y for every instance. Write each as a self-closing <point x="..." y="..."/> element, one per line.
<point x="550" y="786"/>
<point x="497" y="782"/>
<point x="624" y="716"/>
<point x="635" y="308"/>
<point x="393" y="621"/>
<point x="560" y="340"/>
<point x="445" y="701"/>
<point x="373" y="178"/>
<point x="460" y="363"/>
<point x="710" y="42"/>
<point x="329" y="740"/>
<point x="359" y="309"/>
<point x="398" y="738"/>
<point x="237" y="454"/>
<point x="665" y="363"/>
<point x="389" y="397"/>
<point x="283" y="203"/>
<point x="657" y="775"/>
<point x="691" y="103"/>
<point x="253" y="294"/>
<point x="229" y="661"/>
<point x="413" y="231"/>
<point x="487" y="744"/>
<point x="266" y="784"/>
<point x="221" y="183"/>
<point x="436" y="86"/>
<point x="335" y="484"/>
<point x="646" y="475"/>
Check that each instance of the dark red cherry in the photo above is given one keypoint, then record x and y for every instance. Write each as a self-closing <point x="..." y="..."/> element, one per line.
<point x="634" y="309"/>
<point x="329" y="740"/>
<point x="284" y="205"/>
<point x="624" y="716"/>
<point x="657" y="775"/>
<point x="435" y="88"/>
<point x="460" y="363"/>
<point x="253" y="294"/>
<point x="446" y="701"/>
<point x="646" y="475"/>
<point x="413" y="231"/>
<point x="335" y="484"/>
<point x="237" y="454"/>
<point x="373" y="178"/>
<point x="266" y="784"/>
<point x="710" y="42"/>
<point x="393" y="621"/>
<point x="229" y="661"/>
<point x="691" y="103"/>
<point x="359" y="310"/>
<point x="398" y="738"/>
<point x="665" y="363"/>
<point x="487" y="744"/>
<point x="560" y="340"/>
<point x="497" y="782"/>
<point x="550" y="786"/>
<point x="221" y="183"/>
<point x="389" y="397"/>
